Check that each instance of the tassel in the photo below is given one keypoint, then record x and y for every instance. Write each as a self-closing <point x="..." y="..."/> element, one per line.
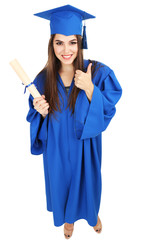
<point x="84" y="38"/>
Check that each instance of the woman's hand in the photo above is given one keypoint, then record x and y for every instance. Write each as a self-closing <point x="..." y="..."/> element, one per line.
<point x="84" y="81"/>
<point x="41" y="105"/>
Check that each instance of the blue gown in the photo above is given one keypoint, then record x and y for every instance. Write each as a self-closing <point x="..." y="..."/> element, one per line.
<point x="71" y="147"/>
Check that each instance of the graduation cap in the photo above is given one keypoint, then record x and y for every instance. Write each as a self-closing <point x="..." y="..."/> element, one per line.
<point x="67" y="20"/>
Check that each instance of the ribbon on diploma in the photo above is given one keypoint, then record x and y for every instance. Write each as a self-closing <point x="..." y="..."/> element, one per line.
<point x="27" y="86"/>
<point x="25" y="79"/>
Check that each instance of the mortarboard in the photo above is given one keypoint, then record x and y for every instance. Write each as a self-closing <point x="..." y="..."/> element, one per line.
<point x="67" y="20"/>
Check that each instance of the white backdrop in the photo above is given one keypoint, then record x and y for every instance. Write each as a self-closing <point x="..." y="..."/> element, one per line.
<point x="114" y="38"/>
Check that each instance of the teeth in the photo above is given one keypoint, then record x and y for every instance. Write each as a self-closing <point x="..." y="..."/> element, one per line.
<point x="66" y="56"/>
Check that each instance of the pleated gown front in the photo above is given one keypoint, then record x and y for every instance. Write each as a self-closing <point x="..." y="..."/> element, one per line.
<point x="71" y="146"/>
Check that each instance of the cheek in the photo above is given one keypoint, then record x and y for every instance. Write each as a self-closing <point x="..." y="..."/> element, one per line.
<point x="75" y="48"/>
<point x="57" y="49"/>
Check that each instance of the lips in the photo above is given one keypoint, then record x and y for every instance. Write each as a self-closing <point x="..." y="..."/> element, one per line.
<point x="67" y="57"/>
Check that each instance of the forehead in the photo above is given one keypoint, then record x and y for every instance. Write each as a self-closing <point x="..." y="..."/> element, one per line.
<point x="64" y="38"/>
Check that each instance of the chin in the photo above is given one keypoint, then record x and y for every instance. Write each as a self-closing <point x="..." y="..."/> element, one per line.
<point x="67" y="62"/>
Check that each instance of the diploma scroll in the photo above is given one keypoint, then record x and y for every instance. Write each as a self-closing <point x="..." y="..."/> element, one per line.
<point x="24" y="78"/>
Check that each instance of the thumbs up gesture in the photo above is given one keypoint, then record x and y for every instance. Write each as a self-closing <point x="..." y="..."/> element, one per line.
<point x="84" y="81"/>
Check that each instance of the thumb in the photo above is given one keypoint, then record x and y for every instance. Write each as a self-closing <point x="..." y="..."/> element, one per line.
<point x="89" y="68"/>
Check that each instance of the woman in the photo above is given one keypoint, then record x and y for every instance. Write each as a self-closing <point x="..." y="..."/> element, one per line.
<point x="77" y="104"/>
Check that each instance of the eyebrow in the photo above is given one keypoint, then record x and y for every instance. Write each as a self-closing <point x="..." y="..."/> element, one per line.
<point x="62" y="41"/>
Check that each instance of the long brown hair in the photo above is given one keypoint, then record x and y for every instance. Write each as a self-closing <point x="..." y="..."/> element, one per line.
<point x="52" y="68"/>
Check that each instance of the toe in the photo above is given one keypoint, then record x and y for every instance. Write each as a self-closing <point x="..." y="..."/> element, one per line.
<point x="67" y="236"/>
<point x="98" y="230"/>
<point x="98" y="227"/>
<point x="68" y="230"/>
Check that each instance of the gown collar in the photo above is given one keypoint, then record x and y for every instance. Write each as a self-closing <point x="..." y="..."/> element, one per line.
<point x="62" y="84"/>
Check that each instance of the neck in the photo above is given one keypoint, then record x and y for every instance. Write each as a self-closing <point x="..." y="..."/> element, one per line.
<point x="67" y="68"/>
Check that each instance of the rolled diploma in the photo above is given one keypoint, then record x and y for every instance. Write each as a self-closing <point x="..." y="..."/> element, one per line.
<point x="24" y="78"/>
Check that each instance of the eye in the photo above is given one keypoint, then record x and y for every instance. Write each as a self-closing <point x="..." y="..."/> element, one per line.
<point x="59" y="43"/>
<point x="72" y="43"/>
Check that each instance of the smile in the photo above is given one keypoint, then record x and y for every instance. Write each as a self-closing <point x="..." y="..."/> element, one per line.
<point x="67" y="57"/>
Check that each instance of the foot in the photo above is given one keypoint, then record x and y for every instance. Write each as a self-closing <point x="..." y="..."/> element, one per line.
<point x="98" y="227"/>
<point x="68" y="230"/>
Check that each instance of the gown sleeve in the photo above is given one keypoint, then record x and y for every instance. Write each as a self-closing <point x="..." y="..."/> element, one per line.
<point x="38" y="128"/>
<point x="93" y="118"/>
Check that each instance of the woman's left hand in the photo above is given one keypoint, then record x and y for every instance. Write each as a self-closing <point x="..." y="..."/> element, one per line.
<point x="83" y="80"/>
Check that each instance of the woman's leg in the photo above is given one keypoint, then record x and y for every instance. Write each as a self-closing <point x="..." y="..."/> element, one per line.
<point x="98" y="227"/>
<point x="68" y="230"/>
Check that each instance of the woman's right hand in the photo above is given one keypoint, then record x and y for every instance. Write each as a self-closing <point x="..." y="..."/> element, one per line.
<point x="41" y="105"/>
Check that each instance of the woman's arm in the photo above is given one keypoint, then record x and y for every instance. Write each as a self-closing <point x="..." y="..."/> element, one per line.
<point x="89" y="91"/>
<point x="93" y="118"/>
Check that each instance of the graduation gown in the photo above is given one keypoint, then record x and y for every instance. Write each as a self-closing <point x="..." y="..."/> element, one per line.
<point x="72" y="148"/>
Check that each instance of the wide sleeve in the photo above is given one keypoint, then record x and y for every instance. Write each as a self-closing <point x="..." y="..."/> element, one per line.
<point x="38" y="129"/>
<point x="38" y="124"/>
<point x="93" y="118"/>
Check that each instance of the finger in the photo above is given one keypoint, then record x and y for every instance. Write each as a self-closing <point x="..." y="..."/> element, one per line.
<point x="38" y="100"/>
<point x="41" y="101"/>
<point x="44" y="111"/>
<point x="77" y="77"/>
<point x="39" y="106"/>
<point x="44" y="114"/>
<point x="78" y="71"/>
<point x="89" y="68"/>
<point x="76" y="81"/>
<point x="43" y="106"/>
<point x="76" y="84"/>
<point x="79" y="74"/>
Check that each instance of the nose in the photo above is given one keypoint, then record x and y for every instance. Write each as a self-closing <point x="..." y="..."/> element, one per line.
<point x="66" y="48"/>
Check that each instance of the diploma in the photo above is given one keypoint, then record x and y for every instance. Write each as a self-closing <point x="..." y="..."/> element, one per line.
<point x="24" y="78"/>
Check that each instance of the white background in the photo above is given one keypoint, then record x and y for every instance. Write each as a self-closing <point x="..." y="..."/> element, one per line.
<point x="115" y="39"/>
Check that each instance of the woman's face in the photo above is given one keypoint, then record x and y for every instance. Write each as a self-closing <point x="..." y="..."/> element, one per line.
<point x="65" y="48"/>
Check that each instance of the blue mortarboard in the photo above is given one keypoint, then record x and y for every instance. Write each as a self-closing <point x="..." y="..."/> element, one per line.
<point x="67" y="20"/>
